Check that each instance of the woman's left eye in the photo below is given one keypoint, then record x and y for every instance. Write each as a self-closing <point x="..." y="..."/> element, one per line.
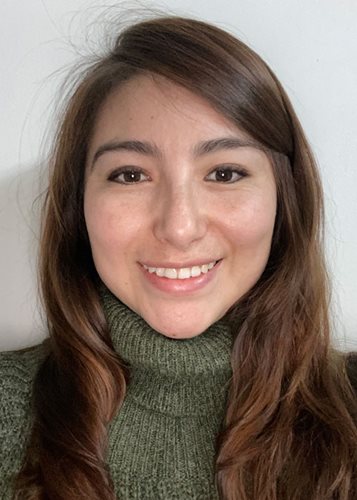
<point x="227" y="175"/>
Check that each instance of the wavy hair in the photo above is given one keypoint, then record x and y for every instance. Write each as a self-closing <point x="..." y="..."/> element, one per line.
<point x="289" y="431"/>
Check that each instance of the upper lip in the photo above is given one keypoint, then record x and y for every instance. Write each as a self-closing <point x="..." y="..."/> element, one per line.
<point x="178" y="265"/>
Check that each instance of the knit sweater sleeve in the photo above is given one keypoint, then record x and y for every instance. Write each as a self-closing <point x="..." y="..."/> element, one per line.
<point x="17" y="374"/>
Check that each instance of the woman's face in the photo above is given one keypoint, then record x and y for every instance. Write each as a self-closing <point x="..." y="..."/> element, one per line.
<point x="179" y="210"/>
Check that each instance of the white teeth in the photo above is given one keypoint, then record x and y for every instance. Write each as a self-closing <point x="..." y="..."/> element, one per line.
<point x="195" y="271"/>
<point x="171" y="274"/>
<point x="182" y="273"/>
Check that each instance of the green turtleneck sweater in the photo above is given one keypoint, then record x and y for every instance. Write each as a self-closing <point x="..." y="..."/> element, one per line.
<point x="162" y="440"/>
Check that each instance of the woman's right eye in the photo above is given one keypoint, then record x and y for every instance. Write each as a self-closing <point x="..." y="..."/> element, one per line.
<point x="128" y="175"/>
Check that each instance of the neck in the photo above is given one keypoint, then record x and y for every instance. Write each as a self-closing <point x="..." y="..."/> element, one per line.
<point x="171" y="376"/>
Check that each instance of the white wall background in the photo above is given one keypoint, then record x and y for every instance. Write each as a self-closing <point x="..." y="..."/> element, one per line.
<point x="310" y="44"/>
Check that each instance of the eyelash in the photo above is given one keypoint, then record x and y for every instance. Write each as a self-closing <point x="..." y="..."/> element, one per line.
<point x="125" y="170"/>
<point x="240" y="172"/>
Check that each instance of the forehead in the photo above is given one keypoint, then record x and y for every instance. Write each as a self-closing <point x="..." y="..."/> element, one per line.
<point x="149" y="105"/>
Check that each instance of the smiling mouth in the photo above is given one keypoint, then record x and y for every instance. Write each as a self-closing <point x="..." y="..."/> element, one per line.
<point x="181" y="273"/>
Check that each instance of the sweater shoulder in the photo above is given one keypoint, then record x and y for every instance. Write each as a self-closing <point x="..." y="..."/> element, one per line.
<point x="17" y="374"/>
<point x="18" y="370"/>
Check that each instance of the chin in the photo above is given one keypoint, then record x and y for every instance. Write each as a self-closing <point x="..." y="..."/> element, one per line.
<point x="179" y="331"/>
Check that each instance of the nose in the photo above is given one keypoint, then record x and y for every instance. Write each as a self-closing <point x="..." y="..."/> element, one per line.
<point x="180" y="219"/>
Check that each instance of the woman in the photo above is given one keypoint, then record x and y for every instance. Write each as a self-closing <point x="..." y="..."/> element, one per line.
<point x="182" y="275"/>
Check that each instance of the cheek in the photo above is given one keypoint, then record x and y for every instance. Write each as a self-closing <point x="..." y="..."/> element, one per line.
<point x="104" y="222"/>
<point x="113" y="226"/>
<point x="101" y="224"/>
<point x="251" y="223"/>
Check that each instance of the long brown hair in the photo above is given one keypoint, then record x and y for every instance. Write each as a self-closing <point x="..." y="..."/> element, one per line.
<point x="289" y="430"/>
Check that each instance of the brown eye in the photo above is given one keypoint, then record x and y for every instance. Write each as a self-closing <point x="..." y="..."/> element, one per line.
<point x="226" y="175"/>
<point x="127" y="175"/>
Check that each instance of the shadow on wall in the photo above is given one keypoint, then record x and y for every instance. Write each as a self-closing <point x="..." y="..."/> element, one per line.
<point x="20" y="312"/>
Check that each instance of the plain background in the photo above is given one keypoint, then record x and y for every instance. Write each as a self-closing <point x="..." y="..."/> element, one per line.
<point x="310" y="44"/>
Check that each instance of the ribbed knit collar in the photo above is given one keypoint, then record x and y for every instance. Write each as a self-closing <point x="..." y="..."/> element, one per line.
<point x="184" y="377"/>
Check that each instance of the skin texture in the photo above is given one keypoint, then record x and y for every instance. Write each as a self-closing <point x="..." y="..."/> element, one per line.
<point x="176" y="211"/>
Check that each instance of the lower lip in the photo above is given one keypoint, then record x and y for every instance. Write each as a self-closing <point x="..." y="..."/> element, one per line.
<point x="181" y="287"/>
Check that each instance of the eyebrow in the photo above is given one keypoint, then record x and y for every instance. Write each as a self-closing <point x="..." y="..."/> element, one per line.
<point x="150" y="149"/>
